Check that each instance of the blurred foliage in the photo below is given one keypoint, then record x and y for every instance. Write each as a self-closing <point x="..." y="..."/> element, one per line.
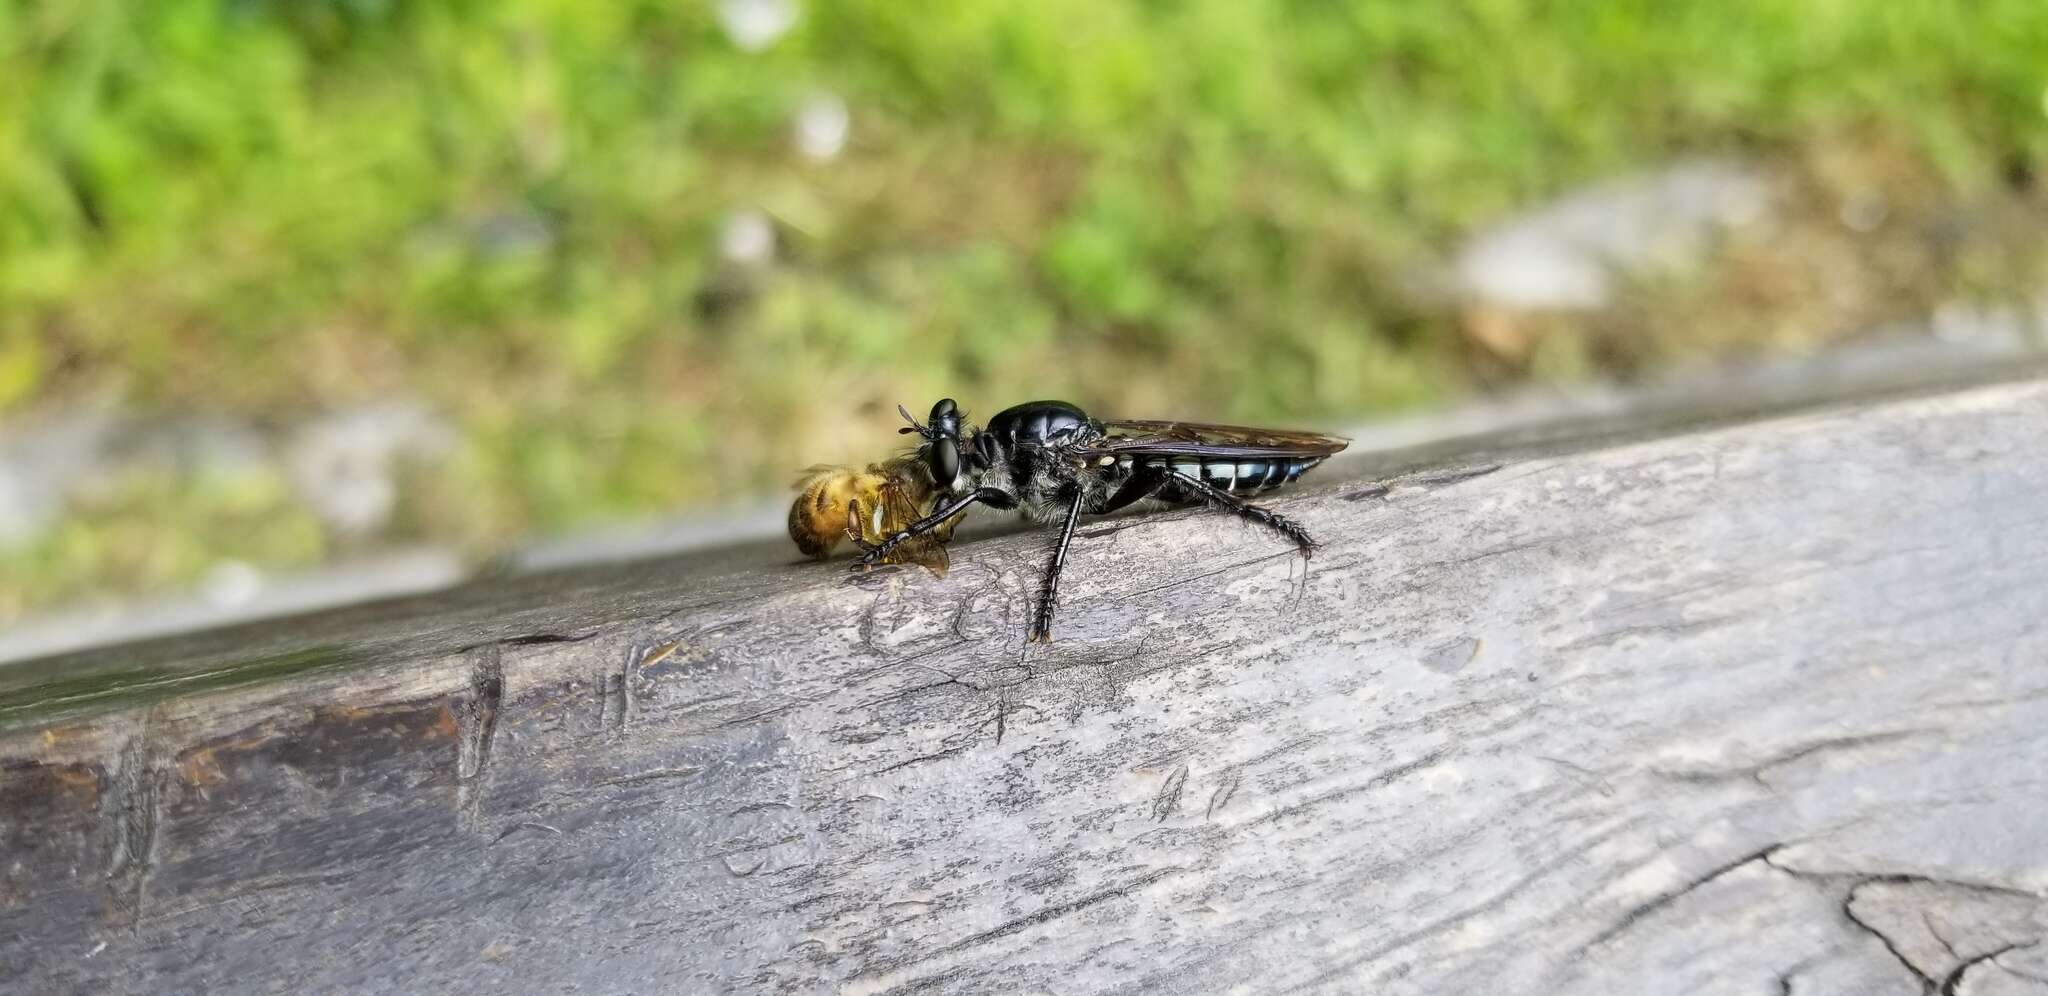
<point x="1205" y="208"/>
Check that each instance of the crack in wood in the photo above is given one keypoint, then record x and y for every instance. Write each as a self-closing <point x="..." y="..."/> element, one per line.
<point x="1167" y="801"/>
<point x="526" y="825"/>
<point x="1204" y="576"/>
<point x="1860" y="881"/>
<point x="1220" y="796"/>
<point x="1582" y="775"/>
<point x="1849" y="911"/>
<point x="132" y="817"/>
<point x="527" y="640"/>
<point x="1758" y="771"/>
<point x="1955" y="978"/>
<point x="1492" y="902"/>
<point x="1684" y="628"/>
<point x="1665" y="899"/>
<point x="777" y="842"/>
<point x="1436" y="479"/>
<point x="650" y="775"/>
<point x="1028" y="921"/>
<point x="1377" y="781"/>
<point x="1927" y="920"/>
<point x="1362" y="494"/>
<point x="1905" y="878"/>
<point x="1785" y="977"/>
<point x="476" y="721"/>
<point x="636" y="661"/>
<point x="921" y="759"/>
<point x="544" y="639"/>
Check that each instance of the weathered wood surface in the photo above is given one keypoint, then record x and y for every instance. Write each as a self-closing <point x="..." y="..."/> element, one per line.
<point x="1756" y="708"/>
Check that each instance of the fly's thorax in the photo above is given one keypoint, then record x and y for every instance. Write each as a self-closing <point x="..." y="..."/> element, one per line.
<point x="1035" y="424"/>
<point x="1046" y="479"/>
<point x="996" y="477"/>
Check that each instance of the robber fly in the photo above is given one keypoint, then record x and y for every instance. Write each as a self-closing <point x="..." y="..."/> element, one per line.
<point x="1053" y="463"/>
<point x="868" y="505"/>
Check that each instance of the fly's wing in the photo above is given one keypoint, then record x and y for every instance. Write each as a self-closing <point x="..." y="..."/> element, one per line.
<point x="1141" y="437"/>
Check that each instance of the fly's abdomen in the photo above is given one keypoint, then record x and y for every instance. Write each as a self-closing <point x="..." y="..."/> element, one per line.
<point x="1238" y="477"/>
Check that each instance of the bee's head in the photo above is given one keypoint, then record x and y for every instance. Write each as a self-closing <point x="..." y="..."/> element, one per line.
<point x="941" y="434"/>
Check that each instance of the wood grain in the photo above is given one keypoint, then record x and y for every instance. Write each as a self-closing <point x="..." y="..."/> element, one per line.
<point x="1760" y="707"/>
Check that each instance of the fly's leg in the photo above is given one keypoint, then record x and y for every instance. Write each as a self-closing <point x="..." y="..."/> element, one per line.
<point x="1048" y="596"/>
<point x="987" y="496"/>
<point x="1145" y="483"/>
<point x="1218" y="498"/>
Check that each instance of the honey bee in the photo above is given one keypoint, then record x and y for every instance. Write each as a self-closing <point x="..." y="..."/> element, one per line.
<point x="869" y="505"/>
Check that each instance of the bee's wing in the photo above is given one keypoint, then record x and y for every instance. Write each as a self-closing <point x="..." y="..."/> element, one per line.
<point x="1141" y="437"/>
<point x="810" y="474"/>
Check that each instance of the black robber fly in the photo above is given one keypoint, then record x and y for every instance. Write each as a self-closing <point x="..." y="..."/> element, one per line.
<point x="1053" y="463"/>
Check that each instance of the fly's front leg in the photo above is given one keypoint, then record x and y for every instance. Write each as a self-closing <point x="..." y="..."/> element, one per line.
<point x="1048" y="596"/>
<point x="987" y="496"/>
<point x="1231" y="503"/>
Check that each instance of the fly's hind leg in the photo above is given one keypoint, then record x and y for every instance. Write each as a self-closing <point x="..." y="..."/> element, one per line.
<point x="1217" y="498"/>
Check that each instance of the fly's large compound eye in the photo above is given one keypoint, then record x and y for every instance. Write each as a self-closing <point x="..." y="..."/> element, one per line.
<point x="944" y="410"/>
<point x="944" y="460"/>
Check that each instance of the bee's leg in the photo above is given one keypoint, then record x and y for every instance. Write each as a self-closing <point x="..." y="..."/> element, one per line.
<point x="1197" y="488"/>
<point x="987" y="496"/>
<point x="1048" y="595"/>
<point x="853" y="532"/>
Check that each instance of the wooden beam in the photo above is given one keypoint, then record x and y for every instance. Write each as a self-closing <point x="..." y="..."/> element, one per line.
<point x="1757" y="706"/>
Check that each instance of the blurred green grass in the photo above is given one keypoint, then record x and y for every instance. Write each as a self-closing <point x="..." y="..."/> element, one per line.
<point x="511" y="210"/>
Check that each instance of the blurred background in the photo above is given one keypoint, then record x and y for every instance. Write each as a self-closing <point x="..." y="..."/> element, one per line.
<point x="292" y="283"/>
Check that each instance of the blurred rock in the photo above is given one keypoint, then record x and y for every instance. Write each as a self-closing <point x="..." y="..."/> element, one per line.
<point x="39" y="465"/>
<point x="1565" y="256"/>
<point x="514" y="233"/>
<point x="189" y="446"/>
<point x="822" y="126"/>
<point x="748" y="238"/>
<point x="755" y="24"/>
<point x="761" y="521"/>
<point x="235" y="594"/>
<point x="1863" y="211"/>
<point x="344" y="465"/>
<point x="48" y="465"/>
<point x="232" y="583"/>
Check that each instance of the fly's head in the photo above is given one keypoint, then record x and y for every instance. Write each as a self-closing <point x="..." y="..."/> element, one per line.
<point x="958" y="456"/>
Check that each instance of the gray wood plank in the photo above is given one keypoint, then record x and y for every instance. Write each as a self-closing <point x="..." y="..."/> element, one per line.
<point x="1754" y="707"/>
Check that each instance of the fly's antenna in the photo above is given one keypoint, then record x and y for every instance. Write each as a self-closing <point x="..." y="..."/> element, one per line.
<point x="914" y="425"/>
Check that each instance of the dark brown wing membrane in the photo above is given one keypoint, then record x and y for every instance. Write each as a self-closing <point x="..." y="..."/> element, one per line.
<point x="1145" y="437"/>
